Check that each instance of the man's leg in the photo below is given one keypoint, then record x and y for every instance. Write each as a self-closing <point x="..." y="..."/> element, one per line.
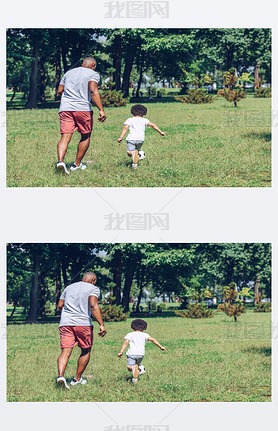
<point x="82" y="362"/>
<point x="63" y="360"/>
<point x="63" y="146"/>
<point x="82" y="148"/>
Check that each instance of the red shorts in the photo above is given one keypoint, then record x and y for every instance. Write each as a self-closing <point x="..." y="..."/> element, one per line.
<point x="76" y="120"/>
<point x="72" y="335"/>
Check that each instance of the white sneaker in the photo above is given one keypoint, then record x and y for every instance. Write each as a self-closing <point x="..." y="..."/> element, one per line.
<point x="77" y="382"/>
<point x="61" y="168"/>
<point x="134" y="165"/>
<point x="75" y="168"/>
<point x="62" y="383"/>
<point x="134" y="381"/>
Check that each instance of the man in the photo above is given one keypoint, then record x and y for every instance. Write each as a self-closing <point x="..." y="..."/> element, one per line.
<point x="78" y="302"/>
<point x="78" y="88"/>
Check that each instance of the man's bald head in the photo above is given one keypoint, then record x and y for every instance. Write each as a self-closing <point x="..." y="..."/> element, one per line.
<point x="89" y="62"/>
<point x="89" y="277"/>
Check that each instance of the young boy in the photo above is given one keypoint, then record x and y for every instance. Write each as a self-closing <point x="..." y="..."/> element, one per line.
<point x="136" y="351"/>
<point x="136" y="136"/>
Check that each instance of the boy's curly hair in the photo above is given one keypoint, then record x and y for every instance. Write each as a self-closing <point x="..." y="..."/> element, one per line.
<point x="139" y="110"/>
<point x="139" y="325"/>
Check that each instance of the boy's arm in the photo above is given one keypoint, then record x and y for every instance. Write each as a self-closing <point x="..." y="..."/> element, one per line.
<point x="154" y="126"/>
<point x="154" y="341"/>
<point x="125" y="129"/>
<point x="125" y="343"/>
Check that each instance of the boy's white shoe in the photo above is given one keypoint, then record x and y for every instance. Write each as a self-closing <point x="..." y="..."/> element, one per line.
<point x="134" y="381"/>
<point x="75" y="382"/>
<point x="61" y="168"/>
<point x="62" y="383"/>
<point x="134" y="166"/>
<point x="75" y="168"/>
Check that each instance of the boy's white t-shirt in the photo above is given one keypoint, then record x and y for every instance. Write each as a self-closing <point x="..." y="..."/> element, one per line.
<point x="137" y="127"/>
<point x="137" y="342"/>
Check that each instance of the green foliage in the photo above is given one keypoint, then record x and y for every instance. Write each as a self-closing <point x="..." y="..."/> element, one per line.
<point x="196" y="311"/>
<point x="113" y="98"/>
<point x="232" y="310"/>
<point x="263" y="92"/>
<point x="232" y="95"/>
<point x="196" y="96"/>
<point x="113" y="313"/>
<point x="162" y="305"/>
<point x="262" y="307"/>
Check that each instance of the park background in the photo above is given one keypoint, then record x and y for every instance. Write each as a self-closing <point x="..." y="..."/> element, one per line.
<point x="183" y="288"/>
<point x="190" y="80"/>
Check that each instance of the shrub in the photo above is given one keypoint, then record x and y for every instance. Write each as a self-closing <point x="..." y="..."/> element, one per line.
<point x="263" y="307"/>
<point x="196" y="311"/>
<point x="113" y="313"/>
<point x="195" y="95"/>
<point x="263" y="92"/>
<point x="113" y="98"/>
<point x="232" y="95"/>
<point x="162" y="305"/>
<point x="232" y="310"/>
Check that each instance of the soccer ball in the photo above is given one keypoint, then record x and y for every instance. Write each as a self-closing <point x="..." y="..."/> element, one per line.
<point x="141" y="155"/>
<point x="141" y="369"/>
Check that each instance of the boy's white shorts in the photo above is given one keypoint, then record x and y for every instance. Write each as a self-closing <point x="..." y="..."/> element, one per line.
<point x="134" y="145"/>
<point x="134" y="359"/>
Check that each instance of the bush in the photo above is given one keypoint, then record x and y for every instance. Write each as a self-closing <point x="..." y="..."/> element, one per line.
<point x="234" y="95"/>
<point x="113" y="98"/>
<point x="113" y="313"/>
<point x="195" y="95"/>
<point x="232" y="310"/>
<point x="263" y="92"/>
<point x="162" y="305"/>
<point x="196" y="311"/>
<point x="262" y="307"/>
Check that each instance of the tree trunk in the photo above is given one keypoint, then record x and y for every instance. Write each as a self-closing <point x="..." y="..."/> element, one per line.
<point x="140" y="292"/>
<point x="64" y="272"/>
<point x="42" y="295"/>
<point x="32" y="314"/>
<point x="256" y="290"/>
<point x="14" y="92"/>
<point x="58" y="73"/>
<point x="58" y="287"/>
<point x="15" y="305"/>
<point x="117" y="276"/>
<point x="64" y="58"/>
<point x="140" y="79"/>
<point x="42" y="80"/>
<point x="127" y="286"/>
<point x="256" y="75"/>
<point x="117" y="61"/>
<point x="31" y="103"/>
<point x="128" y="67"/>
<point x="235" y="318"/>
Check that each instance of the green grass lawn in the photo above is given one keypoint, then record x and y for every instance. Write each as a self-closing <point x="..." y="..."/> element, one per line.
<point x="206" y="360"/>
<point x="209" y="145"/>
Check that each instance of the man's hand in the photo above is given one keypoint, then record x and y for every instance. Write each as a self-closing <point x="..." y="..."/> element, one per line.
<point x="102" y="331"/>
<point x="102" y="116"/>
<point x="162" y="133"/>
<point x="163" y="348"/>
<point x="120" y="139"/>
<point x="120" y="354"/>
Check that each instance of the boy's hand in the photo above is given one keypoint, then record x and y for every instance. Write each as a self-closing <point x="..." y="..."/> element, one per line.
<point x="162" y="348"/>
<point x="120" y="139"/>
<point x="120" y="355"/>
<point x="162" y="133"/>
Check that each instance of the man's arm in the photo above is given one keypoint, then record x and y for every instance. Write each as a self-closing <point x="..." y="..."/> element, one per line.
<point x="95" y="310"/>
<point x="125" y="129"/>
<point x="125" y="343"/>
<point x="93" y="88"/>
<point x="154" y="341"/>
<point x="60" y="90"/>
<point x="154" y="126"/>
<point x="60" y="304"/>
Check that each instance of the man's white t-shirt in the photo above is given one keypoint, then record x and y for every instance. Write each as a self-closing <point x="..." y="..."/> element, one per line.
<point x="137" y="127"/>
<point x="137" y="341"/>
<point x="76" y="95"/>
<point x="76" y="311"/>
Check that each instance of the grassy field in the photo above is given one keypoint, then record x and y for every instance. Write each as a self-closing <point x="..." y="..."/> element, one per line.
<point x="209" y="145"/>
<point x="206" y="360"/>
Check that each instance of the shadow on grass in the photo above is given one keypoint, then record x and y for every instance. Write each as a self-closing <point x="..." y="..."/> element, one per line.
<point x="259" y="135"/>
<point x="262" y="350"/>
